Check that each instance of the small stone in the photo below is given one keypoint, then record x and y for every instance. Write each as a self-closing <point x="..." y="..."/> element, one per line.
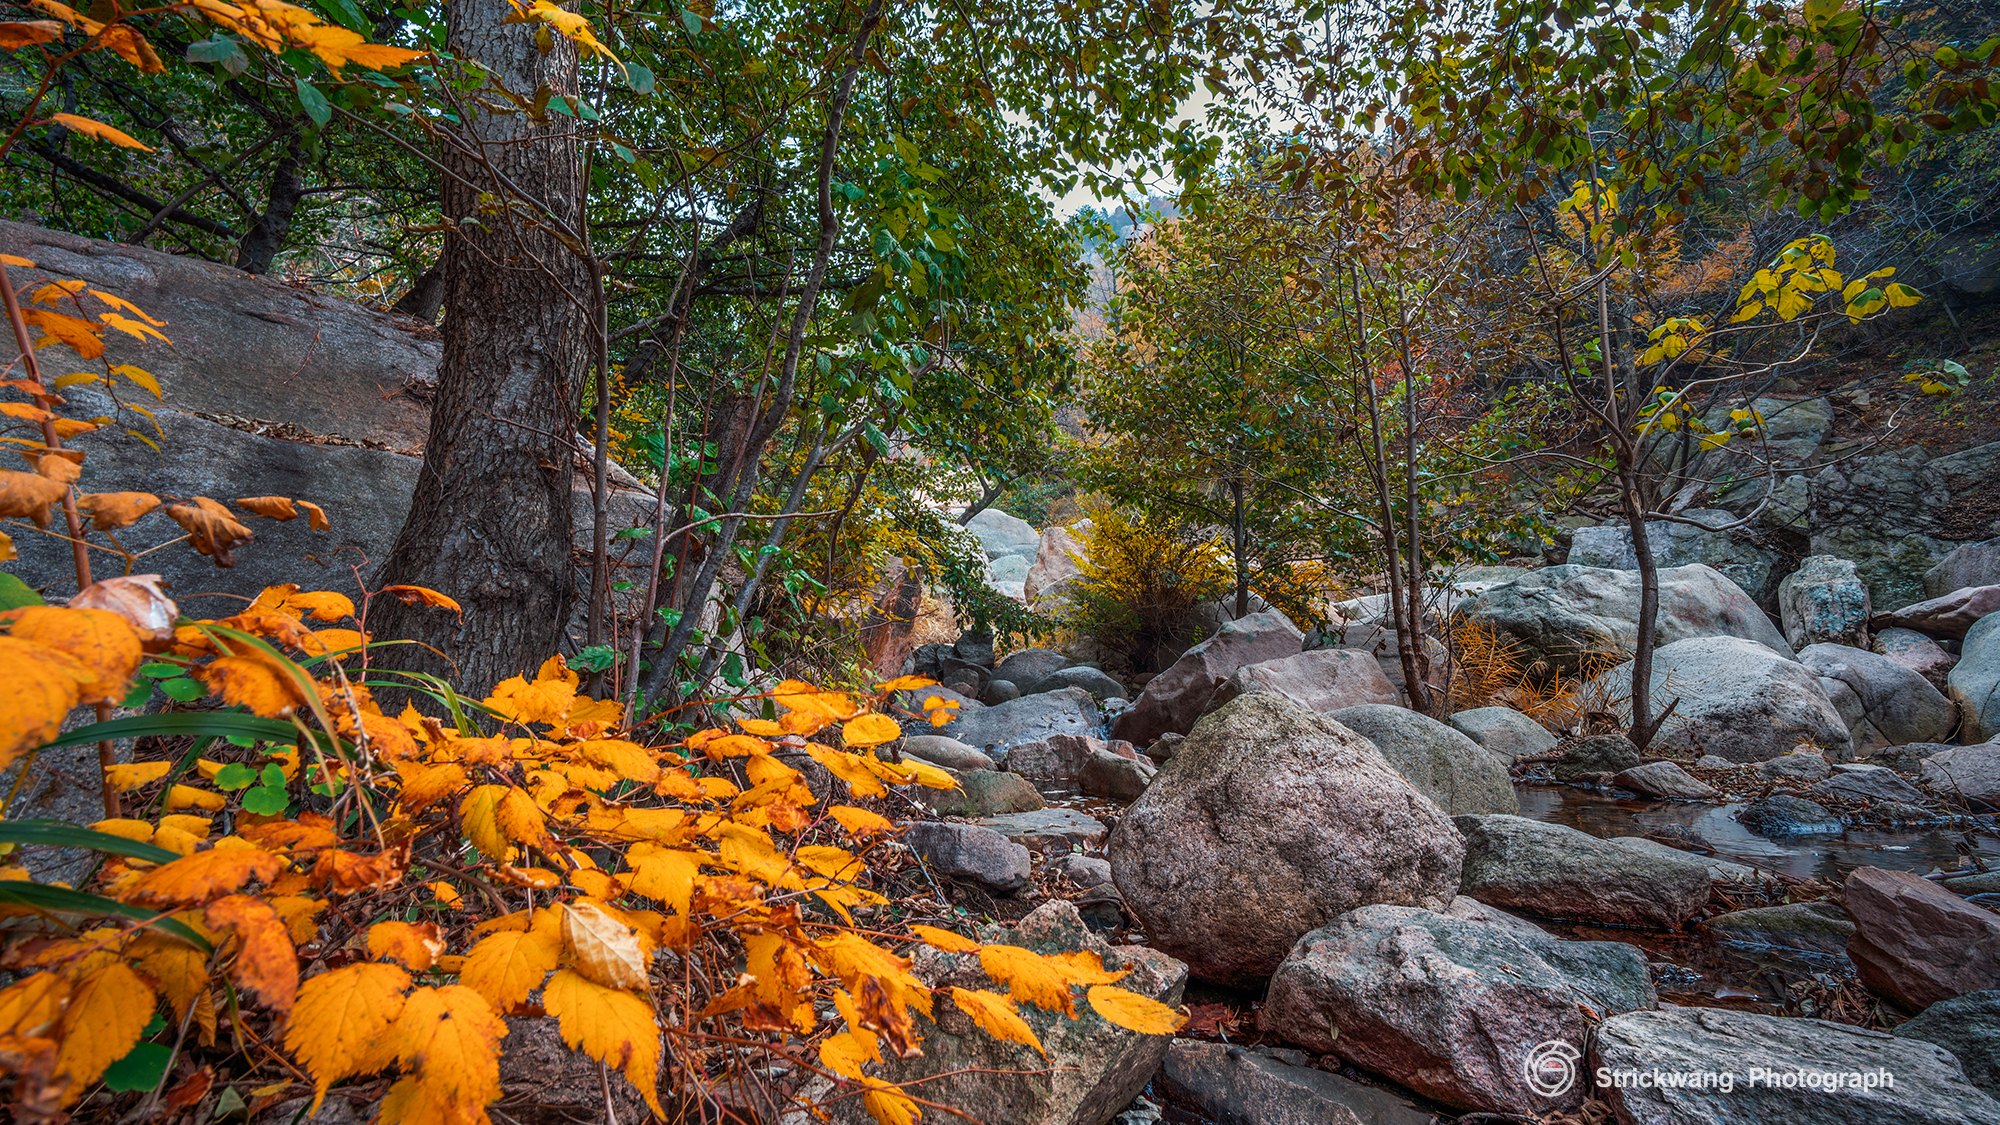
<point x="1665" y="779"/>
<point x="1868" y="783"/>
<point x="970" y="851"/>
<point x="1083" y="870"/>
<point x="1599" y="753"/>
<point x="999" y="691"/>
<point x="1799" y="765"/>
<point x="1049" y="830"/>
<point x="1116" y="778"/>
<point x="1788" y="816"/>
<point x="984" y="793"/>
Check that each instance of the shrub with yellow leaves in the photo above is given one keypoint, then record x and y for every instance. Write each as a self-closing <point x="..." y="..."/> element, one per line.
<point x="671" y="900"/>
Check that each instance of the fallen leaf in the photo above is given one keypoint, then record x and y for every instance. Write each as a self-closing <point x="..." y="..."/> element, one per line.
<point x="266" y="964"/>
<point x="139" y="600"/>
<point x="603" y="948"/>
<point x="341" y="1018"/>
<point x="416" y="944"/>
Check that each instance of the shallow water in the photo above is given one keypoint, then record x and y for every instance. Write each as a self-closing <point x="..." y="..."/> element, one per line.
<point x="1826" y="858"/>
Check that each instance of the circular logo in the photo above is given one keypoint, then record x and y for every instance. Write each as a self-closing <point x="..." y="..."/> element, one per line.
<point x="1551" y="1067"/>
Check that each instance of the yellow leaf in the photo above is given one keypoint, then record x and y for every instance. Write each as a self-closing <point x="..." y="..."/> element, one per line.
<point x="447" y="894"/>
<point x="861" y="780"/>
<point x="888" y="1104"/>
<point x="870" y="730"/>
<point x="204" y="876"/>
<point x="102" y="642"/>
<point x="134" y="328"/>
<point x="124" y="778"/>
<point x="188" y="797"/>
<point x="176" y="841"/>
<point x="266" y="964"/>
<point x="125" y="829"/>
<point x="995" y="1014"/>
<point x="106" y="1013"/>
<point x="844" y="1053"/>
<point x="520" y="818"/>
<point x="42" y="686"/>
<point x="546" y="700"/>
<point x="1134" y="1012"/>
<point x="341" y="1018"/>
<point x="860" y="822"/>
<point x="251" y="681"/>
<point x="451" y="1037"/>
<point x="1029" y="976"/>
<point x="507" y="966"/>
<point x="610" y="1025"/>
<point x="480" y="817"/>
<point x="99" y="130"/>
<point x="945" y="940"/>
<point x="179" y="969"/>
<point x="810" y="710"/>
<point x="139" y="375"/>
<point x="664" y="875"/>
<point x="31" y="1006"/>
<point x="907" y="683"/>
<point x="1901" y="296"/>
<point x="603" y="948"/>
<point x="415" y="944"/>
<point x="279" y="508"/>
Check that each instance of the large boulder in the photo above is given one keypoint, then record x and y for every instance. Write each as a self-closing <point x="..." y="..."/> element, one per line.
<point x="1055" y="569"/>
<point x="1948" y="617"/>
<point x="1253" y="1086"/>
<point x="1588" y="757"/>
<point x="1271" y="821"/>
<point x="1578" y="616"/>
<point x="947" y="752"/>
<point x="1323" y="680"/>
<point x="1819" y="928"/>
<point x="1000" y="728"/>
<point x="1444" y="765"/>
<point x="1917" y="943"/>
<point x="1093" y="680"/>
<point x="1445" y="1005"/>
<point x="1824" y="600"/>
<point x="1665" y="779"/>
<point x="1680" y="544"/>
<point x="1028" y="666"/>
<point x="1175" y="698"/>
<point x="1883" y="702"/>
<point x="984" y="793"/>
<point x="1899" y="514"/>
<point x="1970" y="564"/>
<point x="1504" y="731"/>
<point x="1918" y="653"/>
<point x="1968" y="772"/>
<point x="1003" y="535"/>
<point x="1813" y="1071"/>
<point x="1975" y="681"/>
<point x="1093" y="1068"/>
<point x="969" y="851"/>
<point x="1559" y="872"/>
<point x="1969" y="1027"/>
<point x="1734" y="698"/>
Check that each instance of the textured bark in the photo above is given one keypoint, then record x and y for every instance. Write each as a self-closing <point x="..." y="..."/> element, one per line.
<point x="491" y="522"/>
<point x="426" y="296"/>
<point x="259" y="249"/>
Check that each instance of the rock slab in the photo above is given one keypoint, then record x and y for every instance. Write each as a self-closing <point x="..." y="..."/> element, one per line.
<point x="1559" y="872"/>
<point x="1175" y="698"/>
<point x="1917" y="943"/>
<point x="1443" y="764"/>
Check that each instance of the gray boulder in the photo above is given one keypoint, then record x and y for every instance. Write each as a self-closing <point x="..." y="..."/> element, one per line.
<point x="1782" y="815"/>
<point x="1665" y="779"/>
<point x="1883" y="702"/>
<point x="1504" y="731"/>
<point x="1948" y="617"/>
<point x="1679" y="544"/>
<point x="1968" y="772"/>
<point x="1719" y="870"/>
<point x="1093" y="1068"/>
<point x="1928" y="1087"/>
<point x="1799" y="766"/>
<point x="1026" y="667"/>
<point x="1571" y="616"/>
<point x="1083" y="870"/>
<point x="1254" y="1086"/>
<point x="1559" y="872"/>
<point x="1916" y="652"/>
<point x="998" y="692"/>
<point x="1867" y="783"/>
<point x="1063" y="757"/>
<point x="1824" y="601"/>
<point x="1899" y="514"/>
<point x="1003" y="535"/>
<point x="1444" y="765"/>
<point x="1596" y="754"/>
<point x="999" y="729"/>
<point x="1323" y="680"/>
<point x="1975" y="681"/>
<point x="1093" y="680"/>
<point x="1473" y="910"/>
<point x="1175" y="698"/>
<point x="1049" y="830"/>
<point x="983" y="793"/>
<point x="1969" y="564"/>
<point x="1969" y="1027"/>
<point x="1809" y="927"/>
<point x="947" y="752"/>
<point x="1272" y="821"/>
<point x="1115" y="777"/>
<point x="1055" y="568"/>
<point x="1444" y="1005"/>
<point x="968" y="851"/>
<point x="1737" y="698"/>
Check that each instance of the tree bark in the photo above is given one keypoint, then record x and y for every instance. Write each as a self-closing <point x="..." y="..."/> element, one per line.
<point x="491" y="522"/>
<point x="259" y="249"/>
<point x="1241" y="547"/>
<point x="426" y="296"/>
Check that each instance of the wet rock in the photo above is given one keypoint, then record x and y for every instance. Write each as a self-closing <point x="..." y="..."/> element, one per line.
<point x="1975" y="681"/>
<point x="1802" y="766"/>
<point x="1504" y="731"/>
<point x="1093" y="1068"/>
<point x="1969" y="1027"/>
<point x="1444" y="765"/>
<point x="984" y="793"/>
<point x="1918" y="653"/>
<point x="1824" y="601"/>
<point x="1917" y="943"/>
<point x="1899" y="812"/>
<point x="947" y="752"/>
<point x="1250" y="1086"/>
<point x="1969" y="564"/>
<point x="969" y="851"/>
<point x="1665" y="779"/>
<point x="1720" y="870"/>
<point x="1737" y="698"/>
<point x="1968" y="772"/>
<point x="1446" y="1006"/>
<point x="997" y="730"/>
<point x="1678" y="544"/>
<point x="1868" y="783"/>
<point x="1049" y="830"/>
<point x="1947" y="618"/>
<point x="1114" y="777"/>
<point x="1031" y="665"/>
<point x="1175" y="698"/>
<point x="1812" y="927"/>
<point x="1781" y="815"/>
<point x="1883" y="702"/>
<point x="1093" y="680"/>
<point x="1272" y="821"/>
<point x="1323" y="680"/>
<point x="1595" y="754"/>
<point x="1929" y="1087"/>
<point x="1559" y="872"/>
<point x="1563" y="614"/>
<point x="1083" y="870"/>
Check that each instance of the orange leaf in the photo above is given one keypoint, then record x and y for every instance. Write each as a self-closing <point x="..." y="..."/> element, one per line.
<point x="100" y="641"/>
<point x="133" y="48"/>
<point x="340" y="1019"/>
<point x="110" y="511"/>
<point x="64" y="466"/>
<point x="610" y="1025"/>
<point x="99" y="130"/>
<point x="26" y="33"/>
<point x="279" y="508"/>
<point x="79" y="335"/>
<point x="315" y="515"/>
<point x="106" y="1013"/>
<point x="252" y="682"/>
<point x="124" y="778"/>
<point x="266" y="963"/>
<point x="418" y="595"/>
<point x="907" y="683"/>
<point x="212" y="527"/>
<point x="29" y="494"/>
<point x="320" y="605"/>
<point x="204" y="876"/>
<point x="42" y="686"/>
<point x="416" y="944"/>
<point x="451" y="1037"/>
<point x="506" y="967"/>
<point x="860" y="822"/>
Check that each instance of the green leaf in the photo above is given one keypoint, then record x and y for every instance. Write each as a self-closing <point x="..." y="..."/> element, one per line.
<point x="218" y="723"/>
<point x="141" y="692"/>
<point x="62" y="900"/>
<point x="15" y="593"/>
<point x="691" y="21"/>
<point x="272" y="776"/>
<point x="313" y="102"/>
<point x="221" y="50"/>
<point x="265" y="801"/>
<point x="141" y="1068"/>
<point x="640" y="78"/>
<point x="62" y="834"/>
<point x="345" y="14"/>
<point x="183" y="690"/>
<point x="235" y="776"/>
<point x="161" y="671"/>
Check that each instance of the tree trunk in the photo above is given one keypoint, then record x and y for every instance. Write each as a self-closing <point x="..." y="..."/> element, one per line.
<point x="1242" y="544"/>
<point x="1627" y="453"/>
<point x="259" y="249"/>
<point x="426" y="296"/>
<point x="490" y="525"/>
